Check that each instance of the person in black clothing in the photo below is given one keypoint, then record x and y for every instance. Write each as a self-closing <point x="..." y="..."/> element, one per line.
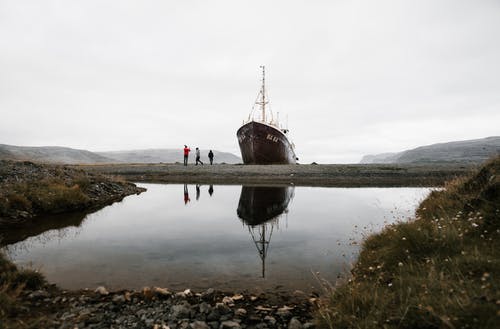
<point x="211" y="156"/>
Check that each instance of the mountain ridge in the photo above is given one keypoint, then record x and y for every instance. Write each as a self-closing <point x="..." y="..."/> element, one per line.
<point x="50" y="154"/>
<point x="67" y="155"/>
<point x="466" y="151"/>
<point x="167" y="156"/>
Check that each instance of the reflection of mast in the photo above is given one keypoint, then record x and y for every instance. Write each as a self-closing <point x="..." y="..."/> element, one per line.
<point x="260" y="208"/>
<point x="262" y="244"/>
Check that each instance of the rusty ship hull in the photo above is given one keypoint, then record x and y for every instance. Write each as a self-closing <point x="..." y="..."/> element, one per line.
<point x="263" y="144"/>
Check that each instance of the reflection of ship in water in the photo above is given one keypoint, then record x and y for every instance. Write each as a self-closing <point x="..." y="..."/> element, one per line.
<point x="260" y="208"/>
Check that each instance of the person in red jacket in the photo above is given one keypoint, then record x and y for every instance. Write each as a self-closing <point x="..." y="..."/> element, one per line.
<point x="186" y="194"/>
<point x="186" y="154"/>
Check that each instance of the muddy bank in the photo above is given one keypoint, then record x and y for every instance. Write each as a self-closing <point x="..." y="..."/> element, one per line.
<point x="29" y="190"/>
<point x="341" y="175"/>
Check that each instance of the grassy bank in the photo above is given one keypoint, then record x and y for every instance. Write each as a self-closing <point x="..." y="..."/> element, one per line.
<point x="15" y="283"/>
<point x="28" y="190"/>
<point x="440" y="270"/>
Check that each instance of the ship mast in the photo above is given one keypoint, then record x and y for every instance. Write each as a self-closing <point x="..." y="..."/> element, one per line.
<point x="263" y="101"/>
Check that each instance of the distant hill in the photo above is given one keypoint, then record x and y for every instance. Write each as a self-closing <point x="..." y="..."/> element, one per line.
<point x="50" y="154"/>
<point x="66" y="155"/>
<point x="167" y="156"/>
<point x="469" y="151"/>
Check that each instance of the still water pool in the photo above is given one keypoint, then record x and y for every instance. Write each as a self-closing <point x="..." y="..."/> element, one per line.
<point x="225" y="237"/>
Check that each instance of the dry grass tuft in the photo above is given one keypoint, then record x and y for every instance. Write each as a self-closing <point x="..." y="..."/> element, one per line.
<point x="13" y="283"/>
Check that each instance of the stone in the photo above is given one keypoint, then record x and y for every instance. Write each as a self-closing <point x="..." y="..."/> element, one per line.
<point x="270" y="319"/>
<point x="208" y="294"/>
<point x="228" y="301"/>
<point x="238" y="297"/>
<point x="313" y="300"/>
<point x="184" y="294"/>
<point x="226" y="317"/>
<point x="82" y="299"/>
<point x="67" y="316"/>
<point x="214" y="324"/>
<point x="309" y="325"/>
<point x="284" y="311"/>
<point x="118" y="299"/>
<point x="229" y="325"/>
<point x="214" y="315"/>
<point x="128" y="296"/>
<point x="222" y="308"/>
<point x="295" y="324"/>
<point x="199" y="325"/>
<point x="84" y="315"/>
<point x="147" y="292"/>
<point x="101" y="291"/>
<point x="23" y="214"/>
<point x="162" y="292"/>
<point x="240" y="312"/>
<point x="161" y="326"/>
<point x="205" y="308"/>
<point x="299" y="293"/>
<point x="183" y="325"/>
<point x="180" y="311"/>
<point x="38" y="294"/>
<point x="260" y="308"/>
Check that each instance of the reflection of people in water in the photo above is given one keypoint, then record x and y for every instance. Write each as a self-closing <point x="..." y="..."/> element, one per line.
<point x="197" y="191"/>
<point x="186" y="194"/>
<point x="211" y="190"/>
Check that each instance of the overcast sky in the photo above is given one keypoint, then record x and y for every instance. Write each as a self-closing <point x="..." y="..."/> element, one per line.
<point x="353" y="77"/>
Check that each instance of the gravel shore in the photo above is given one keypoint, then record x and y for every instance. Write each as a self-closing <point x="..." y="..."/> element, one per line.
<point x="160" y="308"/>
<point x="342" y="175"/>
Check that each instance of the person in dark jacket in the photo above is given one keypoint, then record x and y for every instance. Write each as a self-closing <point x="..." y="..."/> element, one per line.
<point x="211" y="156"/>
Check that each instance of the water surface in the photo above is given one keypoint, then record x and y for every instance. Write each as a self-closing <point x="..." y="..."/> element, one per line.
<point x="226" y="237"/>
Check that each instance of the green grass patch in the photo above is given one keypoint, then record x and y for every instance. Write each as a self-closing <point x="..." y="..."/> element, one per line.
<point x="440" y="270"/>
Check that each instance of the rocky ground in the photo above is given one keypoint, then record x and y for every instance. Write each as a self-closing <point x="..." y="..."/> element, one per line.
<point x="345" y="175"/>
<point x="160" y="308"/>
<point x="23" y="184"/>
<point x="28" y="190"/>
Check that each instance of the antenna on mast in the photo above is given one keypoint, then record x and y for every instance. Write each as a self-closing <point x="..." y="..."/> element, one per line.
<point x="261" y="97"/>
<point x="263" y="92"/>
